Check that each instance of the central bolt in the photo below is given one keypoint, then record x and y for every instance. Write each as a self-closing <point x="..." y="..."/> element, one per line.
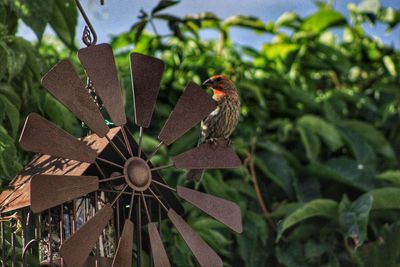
<point x="137" y="174"/>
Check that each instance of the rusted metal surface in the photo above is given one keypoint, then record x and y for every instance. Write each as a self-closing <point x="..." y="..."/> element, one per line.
<point x="211" y="155"/>
<point x="123" y="256"/>
<point x="102" y="262"/>
<point x="63" y="82"/>
<point x="193" y="106"/>
<point x="167" y="194"/>
<point x="99" y="64"/>
<point x="205" y="256"/>
<point x="42" y="136"/>
<point x="146" y="77"/>
<point x="75" y="250"/>
<point x="159" y="255"/>
<point x="222" y="210"/>
<point x="137" y="174"/>
<point x="18" y="193"/>
<point x="48" y="191"/>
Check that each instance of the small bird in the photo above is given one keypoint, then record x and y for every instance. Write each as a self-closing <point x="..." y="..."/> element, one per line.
<point x="223" y="120"/>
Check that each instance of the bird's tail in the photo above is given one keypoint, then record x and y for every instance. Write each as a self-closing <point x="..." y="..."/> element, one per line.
<point x="195" y="175"/>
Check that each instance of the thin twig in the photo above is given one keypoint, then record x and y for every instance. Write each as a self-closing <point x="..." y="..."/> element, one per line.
<point x="249" y="161"/>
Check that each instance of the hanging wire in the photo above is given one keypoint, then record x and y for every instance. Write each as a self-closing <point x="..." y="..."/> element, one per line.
<point x="89" y="36"/>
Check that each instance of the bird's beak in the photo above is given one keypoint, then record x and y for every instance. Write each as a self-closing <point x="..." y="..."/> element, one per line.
<point x="207" y="83"/>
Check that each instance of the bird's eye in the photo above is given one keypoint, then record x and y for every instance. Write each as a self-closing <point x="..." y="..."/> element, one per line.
<point x="218" y="79"/>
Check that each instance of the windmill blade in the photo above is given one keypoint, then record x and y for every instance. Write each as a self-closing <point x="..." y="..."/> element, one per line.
<point x="160" y="257"/>
<point x="222" y="210"/>
<point x="146" y="74"/>
<point x="208" y="156"/>
<point x="41" y="136"/>
<point x="204" y="254"/>
<point x="193" y="106"/>
<point x="123" y="256"/>
<point x="76" y="250"/>
<point x="48" y="191"/>
<point x="63" y="83"/>
<point x="99" y="64"/>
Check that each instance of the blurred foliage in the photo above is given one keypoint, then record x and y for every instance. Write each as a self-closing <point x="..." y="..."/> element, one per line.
<point x="319" y="132"/>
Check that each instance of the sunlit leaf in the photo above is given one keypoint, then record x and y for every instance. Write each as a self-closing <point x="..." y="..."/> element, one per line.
<point x="322" y="20"/>
<point x="35" y="14"/>
<point x="64" y="20"/>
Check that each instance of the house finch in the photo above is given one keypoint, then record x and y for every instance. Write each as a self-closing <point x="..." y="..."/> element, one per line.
<point x="223" y="120"/>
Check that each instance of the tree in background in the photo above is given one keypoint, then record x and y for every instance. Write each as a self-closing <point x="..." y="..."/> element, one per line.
<point x="319" y="134"/>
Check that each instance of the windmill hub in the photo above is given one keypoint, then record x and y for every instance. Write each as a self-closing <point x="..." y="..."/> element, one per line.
<point x="137" y="174"/>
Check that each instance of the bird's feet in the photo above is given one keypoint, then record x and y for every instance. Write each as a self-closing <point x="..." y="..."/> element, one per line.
<point x="213" y="142"/>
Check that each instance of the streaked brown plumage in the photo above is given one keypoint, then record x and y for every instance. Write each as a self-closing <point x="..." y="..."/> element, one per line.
<point x="223" y="120"/>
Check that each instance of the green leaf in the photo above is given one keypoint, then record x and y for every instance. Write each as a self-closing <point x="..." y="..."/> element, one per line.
<point x="362" y="151"/>
<point x="248" y="22"/>
<point x="12" y="114"/>
<point x="322" y="20"/>
<point x="372" y="135"/>
<point x="369" y="7"/>
<point x="385" y="250"/>
<point x="279" y="50"/>
<point x="35" y="14"/>
<point x="310" y="141"/>
<point x="326" y="208"/>
<point x="286" y="209"/>
<point x="275" y="167"/>
<point x="9" y="163"/>
<point x="392" y="176"/>
<point x="326" y="131"/>
<point x="251" y="245"/>
<point x="138" y="29"/>
<point x="61" y="116"/>
<point x="345" y="170"/>
<point x="357" y="175"/>
<point x="390" y="66"/>
<point x="386" y="198"/>
<point x="11" y="95"/>
<point x="353" y="217"/>
<point x="288" y="19"/>
<point x="63" y="21"/>
<point x="16" y="58"/>
<point x="163" y="4"/>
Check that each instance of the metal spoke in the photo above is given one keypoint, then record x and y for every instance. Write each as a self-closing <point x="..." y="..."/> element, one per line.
<point x="139" y="233"/>
<point x="162" y="167"/>
<point x="119" y="195"/>
<point x="145" y="207"/>
<point x="116" y="148"/>
<point x="164" y="185"/>
<point x="124" y="193"/>
<point x="131" y="204"/>
<point x="111" y="178"/>
<point x="159" y="200"/>
<point x="110" y="162"/>
<point x="100" y="170"/>
<point x="140" y="141"/>
<point x="155" y="151"/>
<point x="127" y="144"/>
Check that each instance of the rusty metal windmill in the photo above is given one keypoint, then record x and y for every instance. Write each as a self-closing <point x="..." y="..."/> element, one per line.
<point x="125" y="170"/>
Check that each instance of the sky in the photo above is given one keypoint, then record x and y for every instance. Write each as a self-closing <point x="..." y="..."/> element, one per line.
<point x="117" y="16"/>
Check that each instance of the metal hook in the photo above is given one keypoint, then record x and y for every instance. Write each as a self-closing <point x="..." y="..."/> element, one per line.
<point x="89" y="31"/>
